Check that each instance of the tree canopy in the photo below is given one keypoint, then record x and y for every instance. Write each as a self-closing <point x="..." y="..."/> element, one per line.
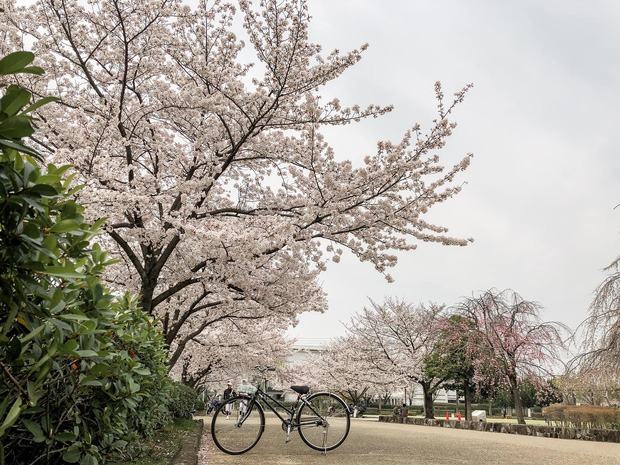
<point x="223" y="197"/>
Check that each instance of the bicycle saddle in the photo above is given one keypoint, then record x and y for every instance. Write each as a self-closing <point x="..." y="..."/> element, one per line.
<point x="301" y="389"/>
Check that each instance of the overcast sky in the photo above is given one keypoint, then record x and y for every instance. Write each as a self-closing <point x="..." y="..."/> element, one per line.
<point x="542" y="122"/>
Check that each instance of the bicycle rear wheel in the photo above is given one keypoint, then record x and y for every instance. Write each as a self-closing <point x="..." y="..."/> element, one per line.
<point x="325" y="423"/>
<point x="233" y="430"/>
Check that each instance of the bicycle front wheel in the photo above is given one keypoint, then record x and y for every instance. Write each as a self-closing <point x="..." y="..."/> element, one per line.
<point x="237" y="425"/>
<point x="324" y="422"/>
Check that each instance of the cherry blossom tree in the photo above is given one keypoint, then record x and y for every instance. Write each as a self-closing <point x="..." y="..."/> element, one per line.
<point x="238" y="352"/>
<point x="601" y="330"/>
<point x="510" y="340"/>
<point x="395" y="338"/>
<point x="223" y="199"/>
<point x="338" y="367"/>
<point x="590" y="385"/>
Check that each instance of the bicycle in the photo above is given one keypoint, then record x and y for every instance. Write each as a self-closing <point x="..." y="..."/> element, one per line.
<point x="322" y="420"/>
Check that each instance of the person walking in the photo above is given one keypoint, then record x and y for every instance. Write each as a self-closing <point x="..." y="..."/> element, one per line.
<point x="244" y="403"/>
<point x="228" y="393"/>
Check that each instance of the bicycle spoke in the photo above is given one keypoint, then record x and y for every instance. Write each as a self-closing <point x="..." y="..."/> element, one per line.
<point x="234" y="428"/>
<point x="324" y="423"/>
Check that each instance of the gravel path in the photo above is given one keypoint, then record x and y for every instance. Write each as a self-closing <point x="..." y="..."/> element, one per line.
<point x="374" y="443"/>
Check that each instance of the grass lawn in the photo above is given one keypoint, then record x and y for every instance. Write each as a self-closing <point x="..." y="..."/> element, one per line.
<point x="162" y="447"/>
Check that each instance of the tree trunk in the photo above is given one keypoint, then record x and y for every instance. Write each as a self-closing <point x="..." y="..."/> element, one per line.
<point x="379" y="405"/>
<point x="146" y="297"/>
<point x="429" y="407"/>
<point x="516" y="396"/>
<point x="467" y="402"/>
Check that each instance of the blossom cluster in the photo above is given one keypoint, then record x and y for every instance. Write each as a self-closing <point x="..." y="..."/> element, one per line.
<point x="224" y="201"/>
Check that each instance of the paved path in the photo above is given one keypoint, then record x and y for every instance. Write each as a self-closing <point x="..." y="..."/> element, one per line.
<point x="374" y="443"/>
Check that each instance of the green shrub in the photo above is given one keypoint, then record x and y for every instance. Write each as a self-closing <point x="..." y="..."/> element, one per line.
<point x="82" y="372"/>
<point x="181" y="402"/>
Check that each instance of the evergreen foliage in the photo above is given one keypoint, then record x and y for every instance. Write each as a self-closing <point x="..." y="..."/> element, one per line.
<point x="82" y="371"/>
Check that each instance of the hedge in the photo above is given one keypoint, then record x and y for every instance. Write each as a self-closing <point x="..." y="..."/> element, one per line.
<point x="582" y="416"/>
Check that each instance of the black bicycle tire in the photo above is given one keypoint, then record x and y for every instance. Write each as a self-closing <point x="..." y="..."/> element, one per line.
<point x="261" y="413"/>
<point x="305" y="407"/>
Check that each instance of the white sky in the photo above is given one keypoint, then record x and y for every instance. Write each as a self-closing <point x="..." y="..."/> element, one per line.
<point x="542" y="124"/>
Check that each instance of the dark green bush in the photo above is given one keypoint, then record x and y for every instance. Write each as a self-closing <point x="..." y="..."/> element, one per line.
<point x="181" y="401"/>
<point x="82" y="372"/>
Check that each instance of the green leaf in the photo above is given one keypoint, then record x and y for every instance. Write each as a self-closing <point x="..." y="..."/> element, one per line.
<point x="44" y="190"/>
<point x="40" y="103"/>
<point x="68" y="211"/>
<point x="68" y="347"/>
<point x="11" y="317"/>
<point x="14" y="100"/>
<point x="4" y="405"/>
<point x="32" y="70"/>
<point x="65" y="437"/>
<point x="48" y="179"/>
<point x="57" y="303"/>
<point x="35" y="429"/>
<point x="11" y="417"/>
<point x="33" y="410"/>
<point x="16" y="127"/>
<point x="32" y="334"/>
<point x="51" y="244"/>
<point x="120" y="444"/>
<point x="34" y="266"/>
<point x="15" y="62"/>
<point x="34" y="394"/>
<point x="90" y="381"/>
<point x="32" y="230"/>
<point x="43" y="371"/>
<point x="87" y="326"/>
<point x="73" y="317"/>
<point x="72" y="455"/>
<point x="89" y="460"/>
<point x="86" y="353"/>
<point x="20" y="148"/>
<point x="63" y="272"/>
<point x="101" y="369"/>
<point x="97" y="224"/>
<point x="65" y="226"/>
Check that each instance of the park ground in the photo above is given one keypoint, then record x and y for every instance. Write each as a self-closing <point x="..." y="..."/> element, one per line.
<point x="374" y="443"/>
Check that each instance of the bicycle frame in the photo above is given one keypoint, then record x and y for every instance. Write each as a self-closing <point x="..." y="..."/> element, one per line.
<point x="321" y="419"/>
<point x="289" y="422"/>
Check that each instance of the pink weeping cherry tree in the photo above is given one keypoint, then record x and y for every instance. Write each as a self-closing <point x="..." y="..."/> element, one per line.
<point x="507" y="341"/>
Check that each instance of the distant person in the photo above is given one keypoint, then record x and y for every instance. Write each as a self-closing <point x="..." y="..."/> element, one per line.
<point x="228" y="393"/>
<point x="244" y="403"/>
